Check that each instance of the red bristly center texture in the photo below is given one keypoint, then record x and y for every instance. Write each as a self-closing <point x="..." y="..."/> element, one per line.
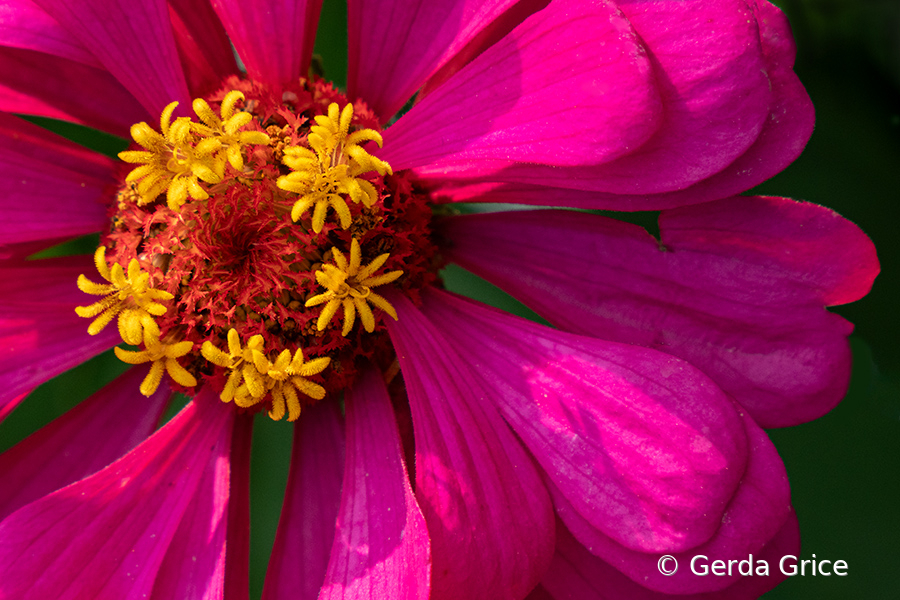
<point x="236" y="259"/>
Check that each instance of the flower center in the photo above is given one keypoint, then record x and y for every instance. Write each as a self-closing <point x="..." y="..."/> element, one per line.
<point x="247" y="246"/>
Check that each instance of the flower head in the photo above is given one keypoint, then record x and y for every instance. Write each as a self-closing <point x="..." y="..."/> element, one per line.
<point x="567" y="457"/>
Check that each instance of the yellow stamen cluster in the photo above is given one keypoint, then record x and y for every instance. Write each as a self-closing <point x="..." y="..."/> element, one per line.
<point x="253" y="376"/>
<point x="127" y="295"/>
<point x="350" y="287"/>
<point x="162" y="355"/>
<point x="332" y="168"/>
<point x="187" y="152"/>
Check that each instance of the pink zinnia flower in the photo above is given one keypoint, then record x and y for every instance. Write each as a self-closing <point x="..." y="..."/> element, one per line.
<point x="270" y="246"/>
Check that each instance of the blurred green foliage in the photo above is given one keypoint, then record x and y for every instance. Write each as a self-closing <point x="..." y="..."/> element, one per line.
<point x="866" y="30"/>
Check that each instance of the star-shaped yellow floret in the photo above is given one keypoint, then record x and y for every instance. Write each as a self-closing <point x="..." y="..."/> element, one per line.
<point x="162" y="355"/>
<point x="244" y="363"/>
<point x="287" y="376"/>
<point x="330" y="168"/>
<point x="128" y="295"/>
<point x="350" y="287"/>
<point x="225" y="130"/>
<point x="253" y="376"/>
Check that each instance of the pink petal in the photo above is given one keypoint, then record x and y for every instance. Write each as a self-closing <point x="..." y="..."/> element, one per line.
<point x="34" y="83"/>
<point x="396" y="45"/>
<point x="52" y="187"/>
<point x="792" y="238"/>
<point x="714" y="88"/>
<point x="527" y="98"/>
<point x="644" y="446"/>
<point x="42" y="338"/>
<point x="198" y="563"/>
<point x="237" y="555"/>
<point x="27" y="289"/>
<point x="709" y="70"/>
<point x="576" y="573"/>
<point x="470" y="473"/>
<point x="16" y="252"/>
<point x="46" y="281"/>
<point x="274" y="38"/>
<point x="306" y="530"/>
<point x="133" y="40"/>
<point x="203" y="45"/>
<point x="784" y="135"/>
<point x="106" y="536"/>
<point x="38" y="345"/>
<point x="84" y="440"/>
<point x="539" y="593"/>
<point x="756" y="513"/>
<point x="488" y="36"/>
<point x="194" y="566"/>
<point x="381" y="547"/>
<point x="24" y="25"/>
<point x="739" y="290"/>
<point x="48" y="150"/>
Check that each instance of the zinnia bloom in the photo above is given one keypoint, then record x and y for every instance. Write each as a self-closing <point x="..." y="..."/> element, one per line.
<point x="271" y="243"/>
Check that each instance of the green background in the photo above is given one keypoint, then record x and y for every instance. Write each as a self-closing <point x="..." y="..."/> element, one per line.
<point x="845" y="467"/>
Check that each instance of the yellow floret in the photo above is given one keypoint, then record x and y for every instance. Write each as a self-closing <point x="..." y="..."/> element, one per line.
<point x="128" y="295"/>
<point x="331" y="167"/>
<point x="349" y="286"/>
<point x="162" y="355"/>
